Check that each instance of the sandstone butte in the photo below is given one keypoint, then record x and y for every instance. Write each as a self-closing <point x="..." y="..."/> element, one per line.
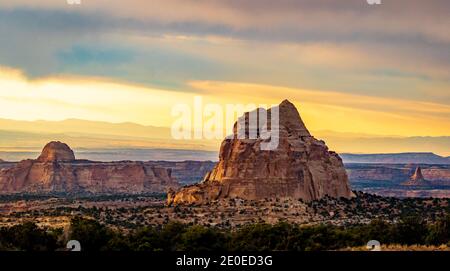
<point x="417" y="179"/>
<point x="57" y="171"/>
<point x="301" y="167"/>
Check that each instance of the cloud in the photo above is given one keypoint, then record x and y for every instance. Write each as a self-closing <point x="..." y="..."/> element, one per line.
<point x="403" y="17"/>
<point x="90" y="98"/>
<point x="85" y="55"/>
<point x="400" y="49"/>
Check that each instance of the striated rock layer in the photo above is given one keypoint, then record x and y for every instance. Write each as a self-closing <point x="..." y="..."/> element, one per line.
<point x="57" y="171"/>
<point x="301" y="167"/>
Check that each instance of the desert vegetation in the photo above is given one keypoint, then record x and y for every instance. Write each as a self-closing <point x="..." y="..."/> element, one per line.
<point x="410" y="232"/>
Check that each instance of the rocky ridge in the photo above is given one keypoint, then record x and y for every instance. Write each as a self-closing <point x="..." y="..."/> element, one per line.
<point x="57" y="171"/>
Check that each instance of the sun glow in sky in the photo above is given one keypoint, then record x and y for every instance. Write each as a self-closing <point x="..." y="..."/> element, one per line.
<point x="348" y="67"/>
<point x="96" y="99"/>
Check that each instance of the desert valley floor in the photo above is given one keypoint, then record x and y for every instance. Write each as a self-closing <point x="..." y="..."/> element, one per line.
<point x="127" y="212"/>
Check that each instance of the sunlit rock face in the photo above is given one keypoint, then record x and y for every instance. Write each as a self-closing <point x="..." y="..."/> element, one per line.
<point x="301" y="167"/>
<point x="57" y="171"/>
<point x="56" y="151"/>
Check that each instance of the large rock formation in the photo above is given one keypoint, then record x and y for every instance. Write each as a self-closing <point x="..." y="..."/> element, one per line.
<point x="301" y="167"/>
<point x="57" y="171"/>
<point x="417" y="179"/>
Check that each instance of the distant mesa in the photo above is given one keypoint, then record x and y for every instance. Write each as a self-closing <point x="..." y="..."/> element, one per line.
<point x="417" y="179"/>
<point x="301" y="167"/>
<point x="57" y="171"/>
<point x="396" y="158"/>
<point x="56" y="151"/>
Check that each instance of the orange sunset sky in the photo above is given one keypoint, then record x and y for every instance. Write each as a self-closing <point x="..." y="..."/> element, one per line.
<point x="348" y="66"/>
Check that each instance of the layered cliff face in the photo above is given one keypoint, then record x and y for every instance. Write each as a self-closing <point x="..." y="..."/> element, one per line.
<point x="301" y="167"/>
<point x="57" y="171"/>
<point x="397" y="173"/>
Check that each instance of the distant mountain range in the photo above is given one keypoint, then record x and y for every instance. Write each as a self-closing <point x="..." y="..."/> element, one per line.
<point x="396" y="158"/>
<point x="386" y="144"/>
<point x="27" y="137"/>
<point x="32" y="135"/>
<point x="118" y="154"/>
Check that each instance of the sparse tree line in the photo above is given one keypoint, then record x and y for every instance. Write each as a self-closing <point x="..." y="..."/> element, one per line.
<point x="174" y="236"/>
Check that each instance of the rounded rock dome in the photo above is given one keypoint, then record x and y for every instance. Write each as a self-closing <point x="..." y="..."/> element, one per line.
<point x="56" y="151"/>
